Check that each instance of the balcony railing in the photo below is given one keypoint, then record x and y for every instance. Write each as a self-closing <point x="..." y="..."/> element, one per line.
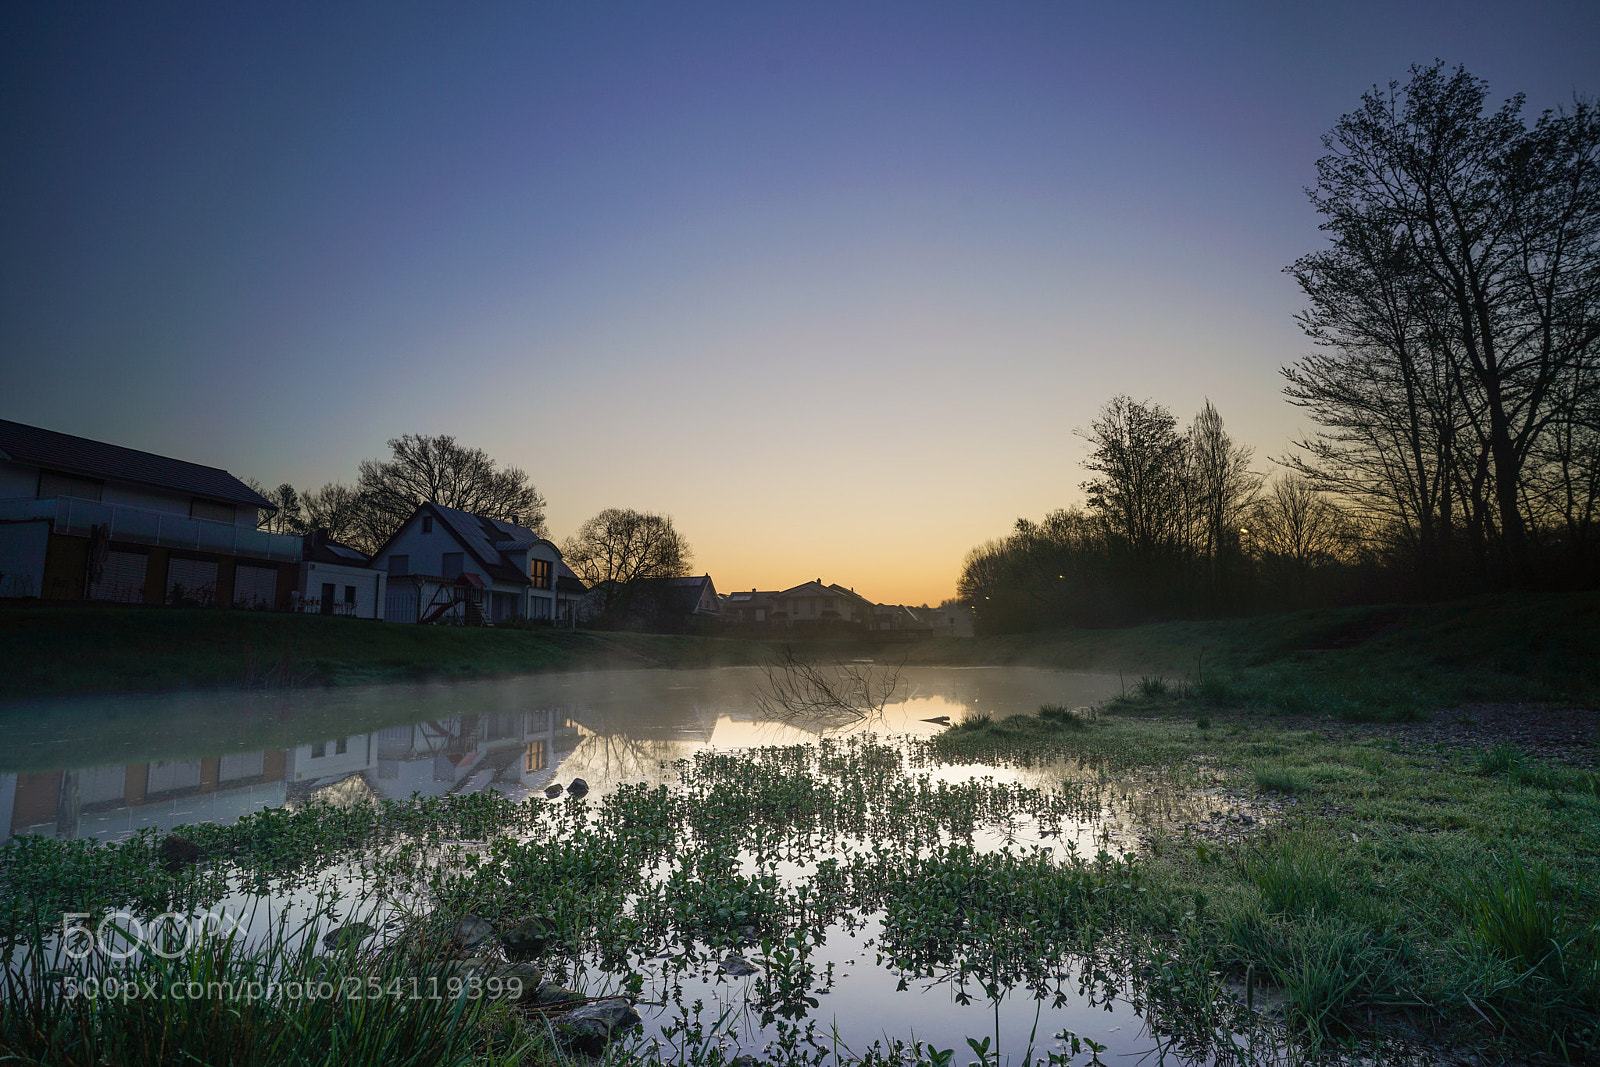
<point x="146" y="527"/>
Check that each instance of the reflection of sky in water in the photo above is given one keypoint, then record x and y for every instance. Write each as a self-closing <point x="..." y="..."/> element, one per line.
<point x="106" y="767"/>
<point x="863" y="1002"/>
<point x="521" y="735"/>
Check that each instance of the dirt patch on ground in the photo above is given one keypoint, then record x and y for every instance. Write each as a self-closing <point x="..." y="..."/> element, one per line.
<point x="1543" y="731"/>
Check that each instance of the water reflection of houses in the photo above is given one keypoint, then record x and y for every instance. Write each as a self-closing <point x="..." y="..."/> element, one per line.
<point x="113" y="801"/>
<point x="516" y="752"/>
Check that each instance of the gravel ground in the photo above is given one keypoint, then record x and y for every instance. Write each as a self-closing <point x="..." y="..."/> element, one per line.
<point x="1543" y="731"/>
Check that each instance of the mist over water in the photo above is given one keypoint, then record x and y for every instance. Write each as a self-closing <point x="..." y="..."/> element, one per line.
<point x="107" y="767"/>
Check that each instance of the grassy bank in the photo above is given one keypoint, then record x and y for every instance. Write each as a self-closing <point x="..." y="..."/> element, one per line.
<point x="73" y="650"/>
<point x="1381" y="662"/>
<point x="1363" y="663"/>
<point x="1369" y="883"/>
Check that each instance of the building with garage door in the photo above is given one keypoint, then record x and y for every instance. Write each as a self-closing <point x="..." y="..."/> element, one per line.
<point x="86" y="520"/>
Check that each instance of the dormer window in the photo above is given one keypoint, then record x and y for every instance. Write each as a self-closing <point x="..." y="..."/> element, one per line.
<point x="540" y="571"/>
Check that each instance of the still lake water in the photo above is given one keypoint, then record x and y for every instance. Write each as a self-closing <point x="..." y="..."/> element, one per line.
<point x="105" y="768"/>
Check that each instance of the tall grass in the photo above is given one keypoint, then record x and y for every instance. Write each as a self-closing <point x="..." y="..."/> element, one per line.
<point x="223" y="999"/>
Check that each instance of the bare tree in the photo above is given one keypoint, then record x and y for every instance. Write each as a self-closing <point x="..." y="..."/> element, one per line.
<point x="1222" y="487"/>
<point x="1139" y="456"/>
<point x="619" y="550"/>
<point x="437" y="470"/>
<point x="335" y="507"/>
<point x="1293" y="530"/>
<point x="1491" y="240"/>
<point x="286" y="518"/>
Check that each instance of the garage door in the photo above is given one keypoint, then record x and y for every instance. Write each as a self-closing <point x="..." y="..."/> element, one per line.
<point x="191" y="581"/>
<point x="255" y="587"/>
<point x="122" y="578"/>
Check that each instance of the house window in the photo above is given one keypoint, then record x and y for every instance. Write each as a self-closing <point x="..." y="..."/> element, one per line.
<point x="427" y="524"/>
<point x="540" y="571"/>
<point x="341" y="746"/>
<point x="209" y="509"/>
<point x="399" y="566"/>
<point x="319" y="750"/>
<point x="538" y="757"/>
<point x="452" y="564"/>
<point x="350" y="597"/>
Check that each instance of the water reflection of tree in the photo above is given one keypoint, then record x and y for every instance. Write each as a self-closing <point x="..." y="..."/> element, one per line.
<point x="801" y="692"/>
<point x="608" y="751"/>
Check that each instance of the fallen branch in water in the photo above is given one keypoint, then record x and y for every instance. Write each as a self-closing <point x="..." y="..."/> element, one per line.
<point x="802" y="692"/>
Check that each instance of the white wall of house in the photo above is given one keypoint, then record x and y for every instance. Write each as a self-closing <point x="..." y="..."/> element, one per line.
<point x="542" y="601"/>
<point x="22" y="549"/>
<point x="367" y="583"/>
<point x="425" y="551"/>
<point x="708" y="603"/>
<point x="336" y="756"/>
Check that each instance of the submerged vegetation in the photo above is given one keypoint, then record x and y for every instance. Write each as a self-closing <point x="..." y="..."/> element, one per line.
<point x="1255" y="890"/>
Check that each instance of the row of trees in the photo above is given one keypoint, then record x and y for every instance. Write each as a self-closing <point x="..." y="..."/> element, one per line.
<point x="1176" y="523"/>
<point x="619" y="551"/>
<point x="420" y="469"/>
<point x="1456" y="391"/>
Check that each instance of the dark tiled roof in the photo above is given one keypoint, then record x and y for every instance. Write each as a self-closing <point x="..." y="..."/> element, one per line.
<point x="317" y="548"/>
<point x="681" y="595"/>
<point x="479" y="536"/>
<point x="96" y="459"/>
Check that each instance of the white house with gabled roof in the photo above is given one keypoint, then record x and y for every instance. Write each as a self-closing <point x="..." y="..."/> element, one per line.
<point x="444" y="565"/>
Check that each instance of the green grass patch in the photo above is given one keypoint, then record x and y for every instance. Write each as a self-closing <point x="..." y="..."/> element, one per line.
<point x="75" y="649"/>
<point x="1280" y="780"/>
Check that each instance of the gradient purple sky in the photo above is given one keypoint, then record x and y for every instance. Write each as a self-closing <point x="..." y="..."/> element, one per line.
<point x="832" y="285"/>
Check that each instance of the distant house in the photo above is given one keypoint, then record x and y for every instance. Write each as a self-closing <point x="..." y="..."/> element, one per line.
<point x="336" y="579"/>
<point x="949" y="620"/>
<point x="749" y="609"/>
<point x="656" y="603"/>
<point x="896" y="617"/>
<point x="87" y="520"/>
<point x="813" y="604"/>
<point x="451" y="566"/>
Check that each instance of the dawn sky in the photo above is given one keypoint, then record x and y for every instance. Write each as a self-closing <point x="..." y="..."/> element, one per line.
<point x="832" y="285"/>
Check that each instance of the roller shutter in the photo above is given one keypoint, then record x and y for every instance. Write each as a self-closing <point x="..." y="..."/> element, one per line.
<point x="237" y="766"/>
<point x="122" y="578"/>
<point x="197" y="577"/>
<point x="255" y="587"/>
